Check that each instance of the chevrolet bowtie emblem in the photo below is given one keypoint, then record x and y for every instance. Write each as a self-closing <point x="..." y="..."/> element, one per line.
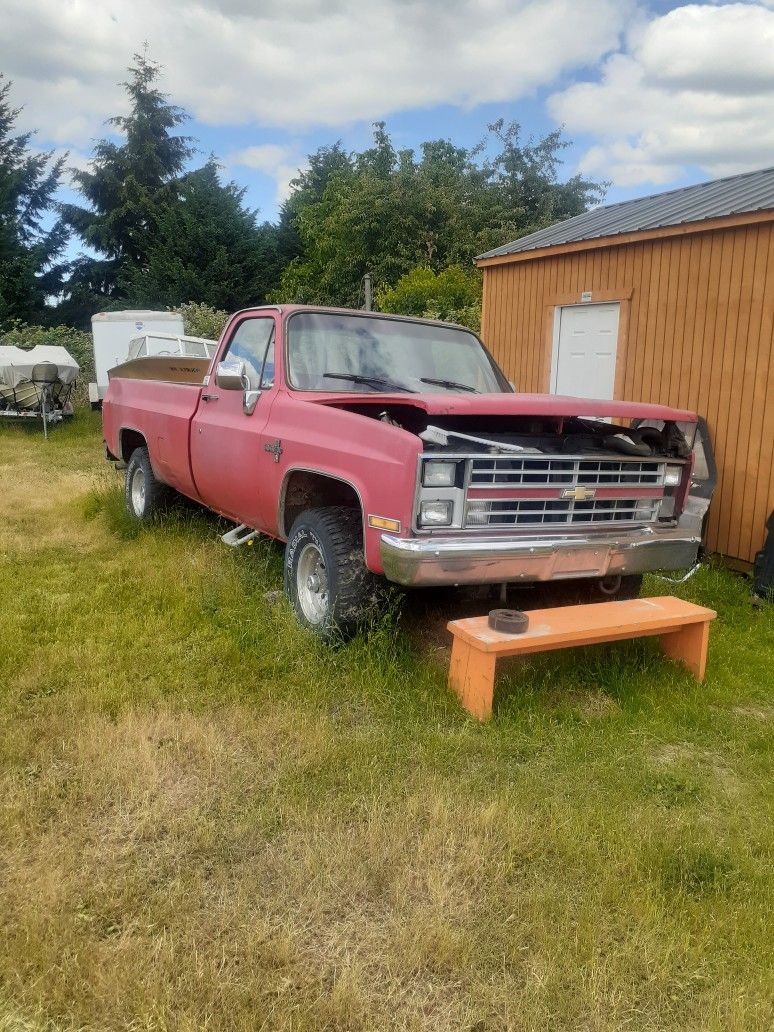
<point x="579" y="493"/>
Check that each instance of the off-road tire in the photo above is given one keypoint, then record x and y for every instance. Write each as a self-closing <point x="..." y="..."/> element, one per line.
<point x="335" y="535"/>
<point x="145" y="496"/>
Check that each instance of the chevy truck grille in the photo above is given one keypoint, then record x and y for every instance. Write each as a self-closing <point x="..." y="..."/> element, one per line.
<point x="560" y="476"/>
<point x="542" y="512"/>
<point x="494" y="471"/>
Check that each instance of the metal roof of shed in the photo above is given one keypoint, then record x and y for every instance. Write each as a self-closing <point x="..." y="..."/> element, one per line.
<point x="746" y="192"/>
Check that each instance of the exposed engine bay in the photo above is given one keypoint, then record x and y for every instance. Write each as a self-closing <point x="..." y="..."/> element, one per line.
<point x="529" y="436"/>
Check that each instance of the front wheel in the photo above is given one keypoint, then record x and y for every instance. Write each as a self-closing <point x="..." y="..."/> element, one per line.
<point x="326" y="578"/>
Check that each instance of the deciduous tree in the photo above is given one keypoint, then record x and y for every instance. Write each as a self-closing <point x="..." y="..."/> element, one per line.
<point x="387" y="212"/>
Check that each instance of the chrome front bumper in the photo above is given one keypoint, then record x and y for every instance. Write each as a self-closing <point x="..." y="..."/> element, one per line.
<point x="464" y="560"/>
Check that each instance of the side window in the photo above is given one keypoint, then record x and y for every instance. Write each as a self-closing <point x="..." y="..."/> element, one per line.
<point x="253" y="344"/>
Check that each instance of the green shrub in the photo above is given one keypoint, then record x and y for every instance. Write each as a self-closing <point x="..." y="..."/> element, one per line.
<point x="200" y="320"/>
<point x="454" y="295"/>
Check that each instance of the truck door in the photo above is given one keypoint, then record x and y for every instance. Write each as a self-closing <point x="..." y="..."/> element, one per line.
<point x="228" y="459"/>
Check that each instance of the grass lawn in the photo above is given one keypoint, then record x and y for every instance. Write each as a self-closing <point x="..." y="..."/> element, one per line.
<point x="209" y="821"/>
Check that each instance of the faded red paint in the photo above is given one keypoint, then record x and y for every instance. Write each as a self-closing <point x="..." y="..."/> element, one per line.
<point x="211" y="452"/>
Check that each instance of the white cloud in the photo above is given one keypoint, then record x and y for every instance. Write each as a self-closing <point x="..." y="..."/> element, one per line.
<point x="695" y="87"/>
<point x="690" y="87"/>
<point x="294" y="63"/>
<point x="282" y="164"/>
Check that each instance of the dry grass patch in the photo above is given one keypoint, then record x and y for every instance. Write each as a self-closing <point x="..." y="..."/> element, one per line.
<point x="764" y="713"/>
<point x="32" y="504"/>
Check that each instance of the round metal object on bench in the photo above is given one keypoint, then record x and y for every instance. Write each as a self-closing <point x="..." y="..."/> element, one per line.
<point x="508" y="621"/>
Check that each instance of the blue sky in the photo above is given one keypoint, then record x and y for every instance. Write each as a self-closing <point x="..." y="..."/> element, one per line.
<point x="653" y="95"/>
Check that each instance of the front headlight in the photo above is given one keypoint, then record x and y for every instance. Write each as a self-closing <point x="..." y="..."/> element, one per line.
<point x="673" y="475"/>
<point x="435" y="514"/>
<point x="439" y="474"/>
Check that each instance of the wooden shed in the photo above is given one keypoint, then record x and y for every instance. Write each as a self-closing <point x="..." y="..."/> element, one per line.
<point x="668" y="299"/>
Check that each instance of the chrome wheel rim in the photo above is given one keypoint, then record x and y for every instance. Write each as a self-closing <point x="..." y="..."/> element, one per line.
<point x="137" y="491"/>
<point x="312" y="584"/>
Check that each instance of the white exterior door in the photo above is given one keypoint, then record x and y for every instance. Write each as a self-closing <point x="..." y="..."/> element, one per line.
<point x="585" y="344"/>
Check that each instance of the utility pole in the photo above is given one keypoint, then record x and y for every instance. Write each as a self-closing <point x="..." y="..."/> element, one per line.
<point x="368" y="304"/>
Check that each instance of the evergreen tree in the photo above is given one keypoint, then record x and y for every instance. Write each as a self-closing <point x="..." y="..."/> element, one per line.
<point x="206" y="247"/>
<point x="28" y="251"/>
<point x="127" y="189"/>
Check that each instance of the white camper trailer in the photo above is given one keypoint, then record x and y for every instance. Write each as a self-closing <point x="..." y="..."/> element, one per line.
<point x="112" y="332"/>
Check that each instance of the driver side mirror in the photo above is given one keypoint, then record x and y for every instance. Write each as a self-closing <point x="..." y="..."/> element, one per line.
<point x="231" y="376"/>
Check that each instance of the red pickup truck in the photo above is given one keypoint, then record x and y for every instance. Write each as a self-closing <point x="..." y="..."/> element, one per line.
<point x="378" y="446"/>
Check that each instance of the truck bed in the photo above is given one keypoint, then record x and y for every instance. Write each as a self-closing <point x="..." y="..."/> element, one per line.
<point x="162" y="412"/>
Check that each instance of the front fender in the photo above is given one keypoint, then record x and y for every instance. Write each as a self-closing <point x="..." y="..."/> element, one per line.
<point x="374" y="501"/>
<point x="377" y="460"/>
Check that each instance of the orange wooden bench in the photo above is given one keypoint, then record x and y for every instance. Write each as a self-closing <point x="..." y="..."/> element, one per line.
<point x="682" y="627"/>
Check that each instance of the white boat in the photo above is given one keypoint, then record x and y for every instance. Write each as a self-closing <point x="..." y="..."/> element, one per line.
<point x="22" y="383"/>
<point x="170" y="344"/>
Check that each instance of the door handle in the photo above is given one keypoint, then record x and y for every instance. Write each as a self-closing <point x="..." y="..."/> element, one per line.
<point x="210" y="397"/>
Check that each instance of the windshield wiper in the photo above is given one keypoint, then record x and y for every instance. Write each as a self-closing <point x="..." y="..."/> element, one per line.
<point x="451" y="384"/>
<point x="373" y="381"/>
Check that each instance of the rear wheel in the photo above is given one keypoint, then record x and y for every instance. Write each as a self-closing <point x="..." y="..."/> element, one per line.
<point x="145" y="496"/>
<point x="326" y="578"/>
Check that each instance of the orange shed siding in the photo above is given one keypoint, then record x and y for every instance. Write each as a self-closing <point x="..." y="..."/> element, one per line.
<point x="696" y="331"/>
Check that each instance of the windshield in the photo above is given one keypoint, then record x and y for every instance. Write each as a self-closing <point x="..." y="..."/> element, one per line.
<point x="148" y="344"/>
<point x="366" y="354"/>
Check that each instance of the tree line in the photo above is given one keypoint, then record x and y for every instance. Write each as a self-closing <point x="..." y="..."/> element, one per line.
<point x="156" y="233"/>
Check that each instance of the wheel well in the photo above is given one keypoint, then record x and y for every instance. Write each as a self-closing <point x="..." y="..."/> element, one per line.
<point x="130" y="440"/>
<point x="304" y="490"/>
